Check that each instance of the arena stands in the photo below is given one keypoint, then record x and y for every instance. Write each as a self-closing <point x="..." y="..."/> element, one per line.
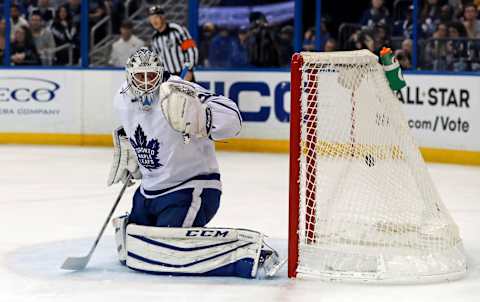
<point x="443" y="36"/>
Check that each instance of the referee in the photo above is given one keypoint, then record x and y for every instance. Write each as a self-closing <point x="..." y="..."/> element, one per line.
<point x="172" y="43"/>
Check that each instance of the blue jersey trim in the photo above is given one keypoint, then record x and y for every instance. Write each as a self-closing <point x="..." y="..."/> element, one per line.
<point x="213" y="176"/>
<point x="176" y="248"/>
<point x="154" y="262"/>
<point x="240" y="268"/>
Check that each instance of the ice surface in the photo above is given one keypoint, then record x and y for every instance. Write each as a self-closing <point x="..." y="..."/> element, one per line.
<point x="54" y="200"/>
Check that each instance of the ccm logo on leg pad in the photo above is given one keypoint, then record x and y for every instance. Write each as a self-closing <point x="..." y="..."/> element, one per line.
<point x="207" y="233"/>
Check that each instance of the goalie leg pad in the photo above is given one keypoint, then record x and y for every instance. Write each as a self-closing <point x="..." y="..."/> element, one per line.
<point x="193" y="251"/>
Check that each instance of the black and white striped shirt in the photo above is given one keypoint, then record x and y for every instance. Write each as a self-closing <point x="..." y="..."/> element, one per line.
<point x="176" y="47"/>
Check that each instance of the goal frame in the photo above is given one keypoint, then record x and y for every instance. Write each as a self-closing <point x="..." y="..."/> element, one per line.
<point x="304" y="81"/>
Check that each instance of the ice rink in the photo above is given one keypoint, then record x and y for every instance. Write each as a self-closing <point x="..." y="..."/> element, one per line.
<point x="54" y="201"/>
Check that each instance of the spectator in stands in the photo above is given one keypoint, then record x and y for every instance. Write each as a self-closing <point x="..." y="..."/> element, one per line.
<point x="470" y="21"/>
<point x="407" y="48"/>
<point x="116" y="10"/>
<point x="404" y="27"/>
<point x="456" y="30"/>
<point x="221" y="49"/>
<point x="330" y="45"/>
<point x="74" y="9"/>
<point x="309" y="39"/>
<point x="239" y="53"/>
<point x="208" y="31"/>
<point x="124" y="47"/>
<point x="431" y="10"/>
<point x="362" y="39"/>
<point x="23" y="6"/>
<point x="43" y="38"/>
<point x="2" y="38"/>
<point x="23" y="51"/>
<point x="16" y="20"/>
<point x="376" y="14"/>
<point x="97" y="11"/>
<point x="381" y="37"/>
<point x="457" y="8"/>
<point x="262" y="47"/>
<point x="404" y="55"/>
<point x="457" y="47"/>
<point x="65" y="31"/>
<point x="285" y="45"/>
<point x="436" y="49"/>
<point x="441" y="32"/>
<point x="430" y="15"/>
<point x="403" y="59"/>
<point x="45" y="10"/>
<point x="446" y="14"/>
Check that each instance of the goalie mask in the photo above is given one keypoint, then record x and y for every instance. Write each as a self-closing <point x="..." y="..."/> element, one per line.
<point x="144" y="76"/>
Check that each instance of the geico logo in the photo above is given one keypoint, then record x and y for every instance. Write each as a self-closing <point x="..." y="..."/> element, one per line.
<point x="22" y="89"/>
<point x="257" y="91"/>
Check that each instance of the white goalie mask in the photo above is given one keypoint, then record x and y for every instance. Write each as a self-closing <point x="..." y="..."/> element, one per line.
<point x="144" y="76"/>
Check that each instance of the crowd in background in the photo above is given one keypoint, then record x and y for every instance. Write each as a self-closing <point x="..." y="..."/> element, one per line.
<point x="44" y="32"/>
<point x="448" y="33"/>
<point x="259" y="44"/>
<point x="47" y="32"/>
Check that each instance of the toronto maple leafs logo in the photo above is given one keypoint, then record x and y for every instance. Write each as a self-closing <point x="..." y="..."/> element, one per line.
<point x="147" y="152"/>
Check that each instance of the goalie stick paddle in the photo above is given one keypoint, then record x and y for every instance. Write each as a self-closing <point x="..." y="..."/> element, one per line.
<point x="79" y="263"/>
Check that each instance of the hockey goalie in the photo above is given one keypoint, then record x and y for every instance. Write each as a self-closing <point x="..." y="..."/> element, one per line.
<point x="166" y="139"/>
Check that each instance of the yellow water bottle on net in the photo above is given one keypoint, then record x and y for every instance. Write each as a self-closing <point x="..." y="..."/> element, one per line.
<point x="392" y="69"/>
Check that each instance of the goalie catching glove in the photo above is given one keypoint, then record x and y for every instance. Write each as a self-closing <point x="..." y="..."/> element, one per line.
<point x="183" y="110"/>
<point x="124" y="159"/>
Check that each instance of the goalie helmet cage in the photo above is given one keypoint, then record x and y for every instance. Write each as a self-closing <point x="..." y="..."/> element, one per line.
<point x="362" y="204"/>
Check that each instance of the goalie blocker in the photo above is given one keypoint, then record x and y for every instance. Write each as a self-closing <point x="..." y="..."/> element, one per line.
<point x="193" y="251"/>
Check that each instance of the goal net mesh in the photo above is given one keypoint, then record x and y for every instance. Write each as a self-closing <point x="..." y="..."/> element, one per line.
<point x="368" y="208"/>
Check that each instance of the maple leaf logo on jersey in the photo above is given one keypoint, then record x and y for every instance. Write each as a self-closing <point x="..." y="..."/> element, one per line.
<point x="147" y="151"/>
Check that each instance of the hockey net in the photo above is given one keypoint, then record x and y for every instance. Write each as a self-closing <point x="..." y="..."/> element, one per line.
<point x="362" y="204"/>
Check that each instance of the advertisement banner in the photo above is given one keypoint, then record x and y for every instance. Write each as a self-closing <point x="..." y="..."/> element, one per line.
<point x="262" y="97"/>
<point x="40" y="101"/>
<point x="443" y="111"/>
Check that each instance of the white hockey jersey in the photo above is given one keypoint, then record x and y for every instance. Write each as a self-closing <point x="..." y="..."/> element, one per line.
<point x="165" y="161"/>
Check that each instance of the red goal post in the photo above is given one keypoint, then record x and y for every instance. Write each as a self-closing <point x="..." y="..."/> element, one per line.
<point x="295" y="141"/>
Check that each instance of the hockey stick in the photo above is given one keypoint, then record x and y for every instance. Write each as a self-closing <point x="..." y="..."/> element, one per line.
<point x="184" y="71"/>
<point x="79" y="263"/>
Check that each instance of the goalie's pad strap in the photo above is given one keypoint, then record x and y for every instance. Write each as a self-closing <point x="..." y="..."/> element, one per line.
<point x="193" y="251"/>
<point x="120" y="227"/>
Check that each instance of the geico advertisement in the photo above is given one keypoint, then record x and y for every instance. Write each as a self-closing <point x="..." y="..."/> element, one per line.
<point x="262" y="97"/>
<point x="40" y="101"/>
<point x="443" y="111"/>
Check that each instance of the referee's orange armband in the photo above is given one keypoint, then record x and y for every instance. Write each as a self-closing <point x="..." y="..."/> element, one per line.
<point x="190" y="43"/>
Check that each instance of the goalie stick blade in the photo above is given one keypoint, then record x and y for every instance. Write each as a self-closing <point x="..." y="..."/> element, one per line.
<point x="75" y="263"/>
